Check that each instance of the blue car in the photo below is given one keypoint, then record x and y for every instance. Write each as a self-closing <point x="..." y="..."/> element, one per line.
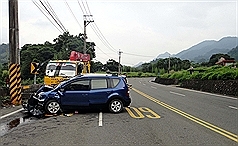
<point x="102" y="91"/>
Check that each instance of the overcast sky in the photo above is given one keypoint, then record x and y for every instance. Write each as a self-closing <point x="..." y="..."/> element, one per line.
<point x="140" y="29"/>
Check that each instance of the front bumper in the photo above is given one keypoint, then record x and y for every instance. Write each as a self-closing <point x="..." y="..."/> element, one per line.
<point x="34" y="106"/>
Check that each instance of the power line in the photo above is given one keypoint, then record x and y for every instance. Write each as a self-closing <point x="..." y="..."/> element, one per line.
<point x="73" y="14"/>
<point x="85" y="8"/>
<point x="104" y="39"/>
<point x="51" y="15"/>
<point x="49" y="10"/>
<point x="97" y="30"/>
<point x="42" y="11"/>
<point x="81" y="7"/>
<point x="137" y="55"/>
<point x="52" y="10"/>
<point x="104" y="52"/>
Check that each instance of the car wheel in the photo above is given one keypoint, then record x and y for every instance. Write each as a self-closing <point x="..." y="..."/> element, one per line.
<point x="52" y="107"/>
<point x="115" y="106"/>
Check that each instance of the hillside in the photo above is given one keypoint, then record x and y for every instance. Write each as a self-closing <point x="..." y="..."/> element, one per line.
<point x="234" y="53"/>
<point x="3" y="53"/>
<point x="204" y="50"/>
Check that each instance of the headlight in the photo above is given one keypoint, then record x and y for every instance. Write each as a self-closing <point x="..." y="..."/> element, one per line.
<point x="40" y="96"/>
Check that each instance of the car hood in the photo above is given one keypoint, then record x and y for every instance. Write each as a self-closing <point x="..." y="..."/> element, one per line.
<point x="44" y="88"/>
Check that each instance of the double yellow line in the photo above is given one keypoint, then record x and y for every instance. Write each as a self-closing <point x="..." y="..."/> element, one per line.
<point x="192" y="118"/>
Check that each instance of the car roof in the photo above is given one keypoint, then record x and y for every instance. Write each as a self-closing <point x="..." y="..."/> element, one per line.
<point x="95" y="74"/>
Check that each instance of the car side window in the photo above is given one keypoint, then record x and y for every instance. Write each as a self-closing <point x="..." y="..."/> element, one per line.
<point x="80" y="85"/>
<point x="98" y="83"/>
<point x="115" y="82"/>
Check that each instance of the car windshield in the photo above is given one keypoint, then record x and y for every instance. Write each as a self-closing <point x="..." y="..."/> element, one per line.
<point x="61" y="69"/>
<point x="60" y="84"/>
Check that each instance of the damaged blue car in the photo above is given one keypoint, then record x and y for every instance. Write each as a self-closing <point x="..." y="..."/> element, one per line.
<point x="101" y="91"/>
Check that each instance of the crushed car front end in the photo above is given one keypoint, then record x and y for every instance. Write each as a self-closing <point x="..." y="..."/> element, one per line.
<point x="35" y="104"/>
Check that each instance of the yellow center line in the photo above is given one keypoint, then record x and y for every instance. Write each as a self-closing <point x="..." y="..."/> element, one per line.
<point x="190" y="117"/>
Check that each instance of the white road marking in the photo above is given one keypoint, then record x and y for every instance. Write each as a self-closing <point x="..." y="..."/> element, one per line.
<point x="213" y="94"/>
<point x="4" y="116"/>
<point x="144" y="84"/>
<point x="153" y="87"/>
<point x="100" y="119"/>
<point x="233" y="107"/>
<point x="176" y="93"/>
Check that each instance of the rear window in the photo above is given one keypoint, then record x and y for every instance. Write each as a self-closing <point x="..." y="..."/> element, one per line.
<point x="115" y="82"/>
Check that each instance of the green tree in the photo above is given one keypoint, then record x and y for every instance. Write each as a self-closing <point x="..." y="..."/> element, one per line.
<point x="96" y="66"/>
<point x="156" y="71"/>
<point x="60" y="49"/>
<point x="112" y="65"/>
<point x="215" y="57"/>
<point x="35" y="53"/>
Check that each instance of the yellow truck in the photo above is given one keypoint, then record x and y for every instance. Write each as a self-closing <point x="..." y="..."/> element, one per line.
<point x="60" y="70"/>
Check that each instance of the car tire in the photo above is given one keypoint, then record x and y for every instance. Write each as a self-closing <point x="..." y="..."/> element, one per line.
<point x="52" y="107"/>
<point x="115" y="106"/>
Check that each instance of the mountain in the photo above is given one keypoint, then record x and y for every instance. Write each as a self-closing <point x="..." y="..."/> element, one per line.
<point x="163" y="56"/>
<point x="3" y="53"/>
<point x="138" y="64"/>
<point x="234" y="53"/>
<point x="204" y="50"/>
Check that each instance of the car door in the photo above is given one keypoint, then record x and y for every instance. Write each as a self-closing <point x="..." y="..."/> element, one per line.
<point x="75" y="94"/>
<point x="99" y="91"/>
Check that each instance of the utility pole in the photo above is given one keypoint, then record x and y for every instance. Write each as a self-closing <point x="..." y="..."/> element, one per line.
<point x="86" y="22"/>
<point x="13" y="32"/>
<point x="169" y="65"/>
<point x="119" y="66"/>
<point x="14" y="54"/>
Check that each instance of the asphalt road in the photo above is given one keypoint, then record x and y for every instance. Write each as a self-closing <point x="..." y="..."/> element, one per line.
<point x="159" y="115"/>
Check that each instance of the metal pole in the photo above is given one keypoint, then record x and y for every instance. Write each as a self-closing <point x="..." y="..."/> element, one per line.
<point x="35" y="79"/>
<point x="85" y="37"/>
<point x="119" y="66"/>
<point x="169" y="65"/>
<point x="86" y="22"/>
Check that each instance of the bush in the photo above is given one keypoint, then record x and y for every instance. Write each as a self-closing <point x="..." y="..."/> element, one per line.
<point x="229" y="75"/>
<point x="196" y="75"/>
<point x="205" y="76"/>
<point x="208" y="73"/>
<point x="139" y="74"/>
<point x="176" y="75"/>
<point x="27" y="82"/>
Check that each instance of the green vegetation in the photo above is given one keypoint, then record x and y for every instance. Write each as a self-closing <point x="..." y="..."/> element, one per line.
<point x="205" y="73"/>
<point x="65" y="43"/>
<point x="140" y="74"/>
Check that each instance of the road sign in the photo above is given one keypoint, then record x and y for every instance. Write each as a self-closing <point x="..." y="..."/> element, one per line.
<point x="34" y="67"/>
